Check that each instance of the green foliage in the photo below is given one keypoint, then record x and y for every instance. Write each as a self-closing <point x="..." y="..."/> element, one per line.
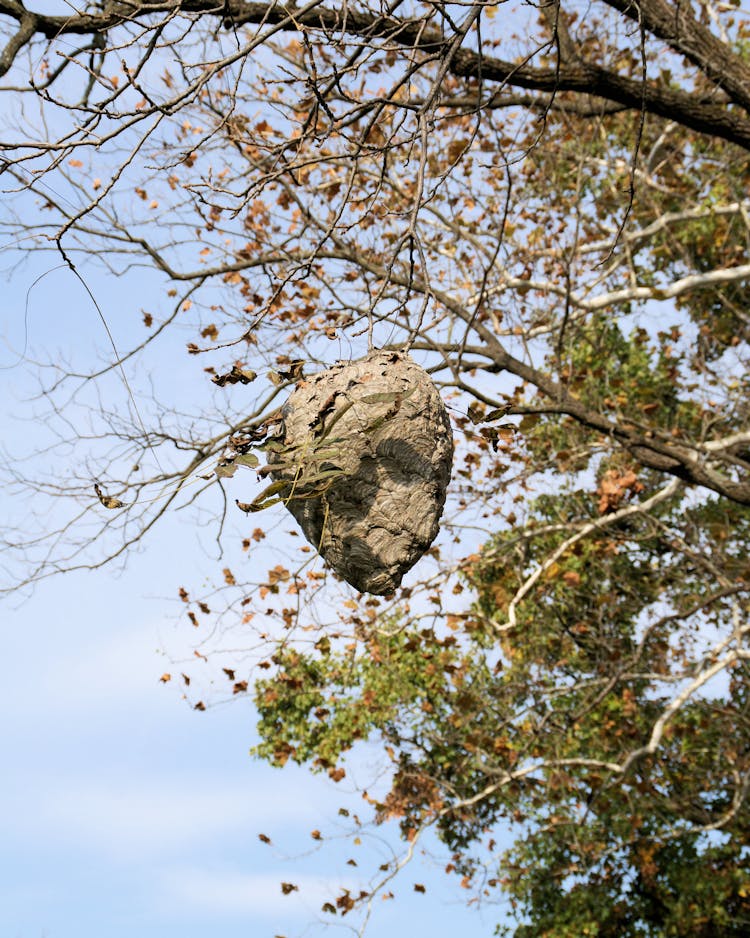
<point x="551" y="705"/>
<point x="487" y="725"/>
<point x="550" y="211"/>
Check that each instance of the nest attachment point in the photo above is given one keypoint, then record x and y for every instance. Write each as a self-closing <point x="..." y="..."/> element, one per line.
<point x="365" y="455"/>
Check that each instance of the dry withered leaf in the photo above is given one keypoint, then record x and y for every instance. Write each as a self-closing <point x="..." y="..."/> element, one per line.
<point x="109" y="501"/>
<point x="237" y="375"/>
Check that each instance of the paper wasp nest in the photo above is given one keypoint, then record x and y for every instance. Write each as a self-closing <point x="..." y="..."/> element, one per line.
<point x="365" y="453"/>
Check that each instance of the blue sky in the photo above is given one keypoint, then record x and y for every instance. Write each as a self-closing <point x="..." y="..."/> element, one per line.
<point x="124" y="811"/>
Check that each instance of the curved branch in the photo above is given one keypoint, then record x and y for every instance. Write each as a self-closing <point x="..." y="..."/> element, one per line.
<point x="690" y="109"/>
<point x="26" y="30"/>
<point x="596" y="525"/>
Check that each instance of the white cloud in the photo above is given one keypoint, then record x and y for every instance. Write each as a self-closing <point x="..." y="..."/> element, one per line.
<point x="84" y="672"/>
<point x="162" y="817"/>
<point x="232" y="892"/>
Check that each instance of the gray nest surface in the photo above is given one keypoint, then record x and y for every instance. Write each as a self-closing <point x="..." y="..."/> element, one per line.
<point x="366" y="450"/>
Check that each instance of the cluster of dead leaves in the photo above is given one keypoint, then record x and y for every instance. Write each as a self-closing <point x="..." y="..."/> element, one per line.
<point x="614" y="486"/>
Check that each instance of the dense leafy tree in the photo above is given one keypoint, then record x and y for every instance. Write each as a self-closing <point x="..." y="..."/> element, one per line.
<point x="548" y="207"/>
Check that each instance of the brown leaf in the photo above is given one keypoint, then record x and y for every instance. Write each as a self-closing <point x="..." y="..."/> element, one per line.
<point x="264" y="838"/>
<point x="293" y="371"/>
<point x="614" y="486"/>
<point x="229" y="577"/>
<point x="199" y="706"/>
<point x="418" y="887"/>
<point x="345" y="902"/>
<point x="279" y="573"/>
<point x="456" y="149"/>
<point x="286" y="888"/>
<point x="109" y="501"/>
<point x="237" y="375"/>
<point x="336" y="774"/>
<point x="229" y="673"/>
<point x="165" y="677"/>
<point x="240" y="687"/>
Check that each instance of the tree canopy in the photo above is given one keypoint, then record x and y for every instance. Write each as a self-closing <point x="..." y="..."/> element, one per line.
<point x="546" y="205"/>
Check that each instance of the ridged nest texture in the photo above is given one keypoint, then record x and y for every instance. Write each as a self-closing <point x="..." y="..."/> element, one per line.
<point x="366" y="451"/>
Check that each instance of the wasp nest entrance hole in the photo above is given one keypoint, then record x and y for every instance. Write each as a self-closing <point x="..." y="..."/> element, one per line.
<point x="365" y="453"/>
